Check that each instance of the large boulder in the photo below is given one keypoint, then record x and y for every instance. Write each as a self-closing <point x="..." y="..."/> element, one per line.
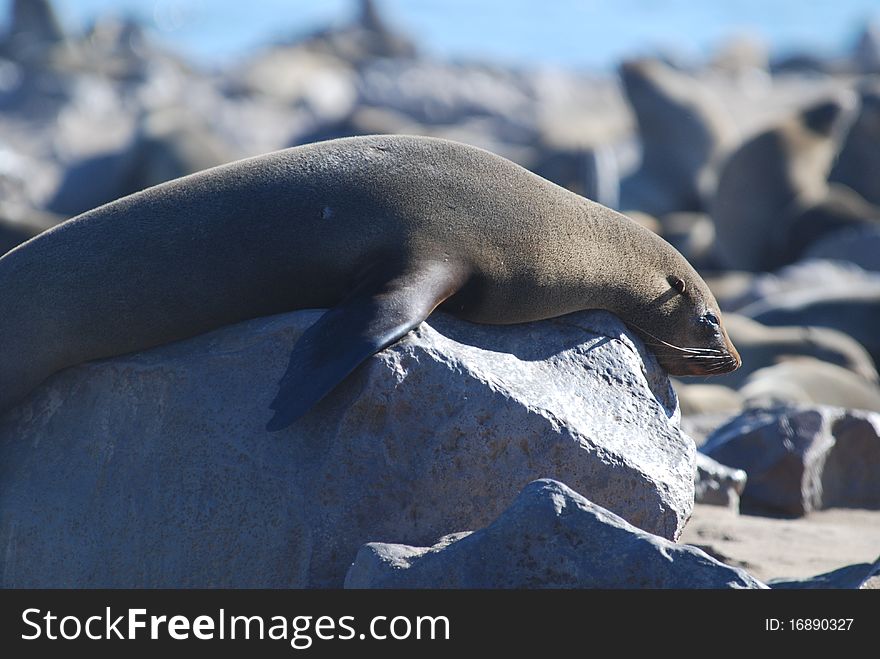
<point x="550" y="537"/>
<point x="154" y="469"/>
<point x="800" y="459"/>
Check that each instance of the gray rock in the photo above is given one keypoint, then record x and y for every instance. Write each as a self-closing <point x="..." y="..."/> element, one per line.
<point x="800" y="459"/>
<point x="368" y="37"/>
<point x="18" y="224"/>
<point x="742" y="56"/>
<point x="866" y="54"/>
<point x="432" y="92"/>
<point x="550" y="537"/>
<point x="167" y="145"/>
<point x="849" y="474"/>
<point x="729" y="286"/>
<point x="299" y="77"/>
<point x="859" y="576"/>
<point x="692" y="234"/>
<point x="154" y="469"/>
<point x="718" y="485"/>
<point x="871" y="582"/>
<point x="33" y="27"/>
<point x="591" y="172"/>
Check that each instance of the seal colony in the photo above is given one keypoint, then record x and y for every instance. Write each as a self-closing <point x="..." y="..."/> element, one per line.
<point x="380" y="230"/>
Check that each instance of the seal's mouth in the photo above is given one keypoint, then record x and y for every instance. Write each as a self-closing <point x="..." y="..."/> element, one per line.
<point x="698" y="361"/>
<point x="716" y="362"/>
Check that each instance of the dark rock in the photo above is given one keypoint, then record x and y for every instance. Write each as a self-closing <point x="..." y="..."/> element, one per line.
<point x="800" y="459"/>
<point x="859" y="246"/>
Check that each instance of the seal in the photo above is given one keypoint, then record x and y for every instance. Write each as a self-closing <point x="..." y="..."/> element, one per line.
<point x="381" y="230"/>
<point x="33" y="27"/>
<point x="685" y="131"/>
<point x="842" y="209"/>
<point x="772" y="178"/>
<point x="853" y="312"/>
<point x="859" y="158"/>
<point x="805" y="380"/>
<point x="762" y="346"/>
<point x="167" y="145"/>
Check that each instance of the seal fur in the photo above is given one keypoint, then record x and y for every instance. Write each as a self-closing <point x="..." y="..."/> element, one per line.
<point x="381" y="230"/>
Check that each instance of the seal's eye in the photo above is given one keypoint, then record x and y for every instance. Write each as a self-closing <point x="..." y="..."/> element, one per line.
<point x="678" y="284"/>
<point x="710" y="318"/>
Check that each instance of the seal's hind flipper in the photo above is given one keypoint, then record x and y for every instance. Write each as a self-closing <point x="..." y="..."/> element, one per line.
<point x="373" y="317"/>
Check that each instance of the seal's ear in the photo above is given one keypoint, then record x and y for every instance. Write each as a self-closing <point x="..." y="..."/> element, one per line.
<point x="380" y="311"/>
<point x="677" y="283"/>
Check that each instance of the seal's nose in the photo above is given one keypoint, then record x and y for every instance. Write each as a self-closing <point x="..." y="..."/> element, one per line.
<point x="733" y="352"/>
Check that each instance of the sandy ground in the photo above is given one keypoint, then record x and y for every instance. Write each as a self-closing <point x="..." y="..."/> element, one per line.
<point x="771" y="548"/>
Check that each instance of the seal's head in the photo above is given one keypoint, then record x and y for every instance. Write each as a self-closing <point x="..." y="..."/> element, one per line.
<point x="696" y="342"/>
<point x="667" y="303"/>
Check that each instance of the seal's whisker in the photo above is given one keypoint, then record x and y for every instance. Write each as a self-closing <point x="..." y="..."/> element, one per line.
<point x="657" y="338"/>
<point x="694" y="351"/>
<point x="720" y="367"/>
<point x="679" y="355"/>
<point x="692" y="358"/>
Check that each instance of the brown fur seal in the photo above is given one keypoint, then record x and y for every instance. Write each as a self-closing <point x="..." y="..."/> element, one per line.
<point x="761" y="346"/>
<point x="382" y="229"/>
<point x="810" y="381"/>
<point x="842" y="209"/>
<point x="33" y="27"/>
<point x="684" y="131"/>
<point x="855" y="313"/>
<point x="859" y="159"/>
<point x="771" y="178"/>
<point x="168" y="144"/>
<point x="857" y="245"/>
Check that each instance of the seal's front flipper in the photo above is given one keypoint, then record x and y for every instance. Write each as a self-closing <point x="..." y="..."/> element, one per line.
<point x="373" y="317"/>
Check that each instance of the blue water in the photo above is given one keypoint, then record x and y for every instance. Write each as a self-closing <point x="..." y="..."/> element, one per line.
<point x="582" y="33"/>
